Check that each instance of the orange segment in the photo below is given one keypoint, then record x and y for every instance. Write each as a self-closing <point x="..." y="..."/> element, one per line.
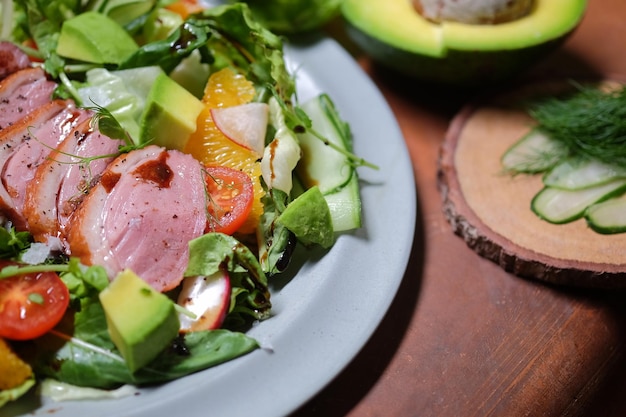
<point x="207" y="144"/>
<point x="185" y="7"/>
<point x="13" y="371"/>
<point x="227" y="88"/>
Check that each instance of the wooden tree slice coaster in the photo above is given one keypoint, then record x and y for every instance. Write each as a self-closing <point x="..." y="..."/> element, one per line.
<point x="491" y="211"/>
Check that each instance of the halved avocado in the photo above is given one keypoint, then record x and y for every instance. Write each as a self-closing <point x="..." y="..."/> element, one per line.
<point x="393" y="33"/>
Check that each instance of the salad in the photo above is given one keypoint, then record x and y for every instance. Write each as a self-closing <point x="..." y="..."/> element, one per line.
<point x="167" y="171"/>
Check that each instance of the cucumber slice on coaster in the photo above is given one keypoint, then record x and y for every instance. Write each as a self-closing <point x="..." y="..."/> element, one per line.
<point x="579" y="173"/>
<point x="562" y="206"/>
<point x="535" y="152"/>
<point x="608" y="216"/>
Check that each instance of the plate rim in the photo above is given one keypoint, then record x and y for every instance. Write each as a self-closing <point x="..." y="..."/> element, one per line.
<point x="326" y="61"/>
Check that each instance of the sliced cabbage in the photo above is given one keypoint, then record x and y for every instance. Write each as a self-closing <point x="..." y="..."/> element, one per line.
<point x="123" y="93"/>
<point x="281" y="156"/>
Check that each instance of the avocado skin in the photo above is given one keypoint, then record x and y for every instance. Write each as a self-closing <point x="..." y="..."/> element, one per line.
<point x="458" y="68"/>
<point x="468" y="60"/>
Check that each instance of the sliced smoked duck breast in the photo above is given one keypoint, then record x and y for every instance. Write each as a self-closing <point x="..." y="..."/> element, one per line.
<point x="141" y="215"/>
<point x="62" y="181"/>
<point x="12" y="59"/>
<point x="24" y="146"/>
<point x="23" y="92"/>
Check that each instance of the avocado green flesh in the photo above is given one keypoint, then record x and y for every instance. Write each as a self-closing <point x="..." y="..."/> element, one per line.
<point x="397" y="36"/>
<point x="170" y="114"/>
<point x="125" y="11"/>
<point x="308" y="217"/>
<point x="395" y="22"/>
<point x="81" y="39"/>
<point x="141" y="321"/>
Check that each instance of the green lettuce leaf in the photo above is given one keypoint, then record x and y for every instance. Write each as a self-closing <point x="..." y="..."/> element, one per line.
<point x="85" y="355"/>
<point x="15" y="393"/>
<point x="240" y="41"/>
<point x="294" y="16"/>
<point x="225" y="36"/>
<point x="213" y="252"/>
<point x="276" y="241"/>
<point x="12" y="243"/>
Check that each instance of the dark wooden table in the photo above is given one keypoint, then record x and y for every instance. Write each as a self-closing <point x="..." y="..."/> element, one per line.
<point x="463" y="337"/>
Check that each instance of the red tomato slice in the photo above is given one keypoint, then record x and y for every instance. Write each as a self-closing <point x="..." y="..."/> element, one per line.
<point x="230" y="199"/>
<point x="31" y="304"/>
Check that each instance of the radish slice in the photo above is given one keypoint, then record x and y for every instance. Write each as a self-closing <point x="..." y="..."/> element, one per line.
<point x="208" y="297"/>
<point x="245" y="124"/>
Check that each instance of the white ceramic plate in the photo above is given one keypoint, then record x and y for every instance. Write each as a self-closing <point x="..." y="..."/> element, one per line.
<point x="326" y="312"/>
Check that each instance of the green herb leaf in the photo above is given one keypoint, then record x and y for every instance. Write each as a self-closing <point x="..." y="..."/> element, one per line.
<point x="168" y="53"/>
<point x="213" y="252"/>
<point x="12" y="243"/>
<point x="86" y="356"/>
<point x="591" y="122"/>
<point x="36" y="298"/>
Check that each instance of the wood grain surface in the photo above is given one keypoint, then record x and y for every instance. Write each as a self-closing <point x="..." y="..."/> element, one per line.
<point x="491" y="211"/>
<point x="463" y="337"/>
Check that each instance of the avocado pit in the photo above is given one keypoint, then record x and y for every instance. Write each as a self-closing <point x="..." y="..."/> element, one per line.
<point x="473" y="12"/>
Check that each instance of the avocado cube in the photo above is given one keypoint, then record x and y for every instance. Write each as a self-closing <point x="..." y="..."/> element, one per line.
<point x="308" y="217"/>
<point x="82" y="37"/>
<point x="170" y="114"/>
<point x="141" y="321"/>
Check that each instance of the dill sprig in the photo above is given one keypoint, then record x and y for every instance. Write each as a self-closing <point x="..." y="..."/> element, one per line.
<point x="591" y="122"/>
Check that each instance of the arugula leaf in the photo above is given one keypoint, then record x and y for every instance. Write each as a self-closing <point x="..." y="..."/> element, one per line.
<point x="212" y="252"/>
<point x="277" y="242"/>
<point x="15" y="393"/>
<point x="41" y="23"/>
<point x="168" y="53"/>
<point x="110" y="126"/>
<point x="87" y="357"/>
<point x="84" y="363"/>
<point x="241" y="42"/>
<point x="12" y="243"/>
<point x="84" y="283"/>
<point x="201" y="350"/>
<point x="225" y="36"/>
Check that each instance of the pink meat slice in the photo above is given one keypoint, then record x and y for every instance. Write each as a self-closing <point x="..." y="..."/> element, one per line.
<point x="148" y="205"/>
<point x="24" y="146"/>
<point x="23" y="92"/>
<point x="62" y="181"/>
<point x="12" y="59"/>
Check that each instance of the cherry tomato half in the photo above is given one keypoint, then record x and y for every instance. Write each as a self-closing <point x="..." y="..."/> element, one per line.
<point x="31" y="304"/>
<point x="230" y="198"/>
